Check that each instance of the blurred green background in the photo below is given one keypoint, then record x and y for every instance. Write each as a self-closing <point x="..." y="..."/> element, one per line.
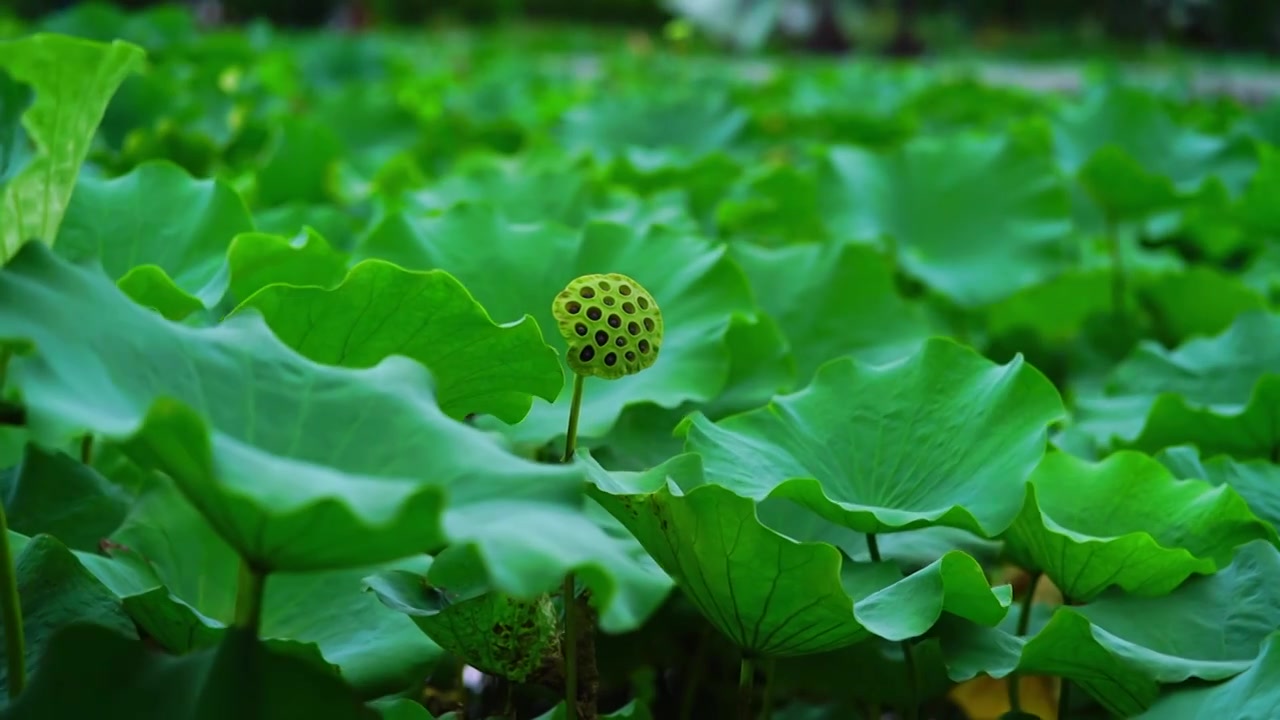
<point x="1049" y="27"/>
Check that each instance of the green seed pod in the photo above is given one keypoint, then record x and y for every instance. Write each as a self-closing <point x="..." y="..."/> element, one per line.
<point x="612" y="324"/>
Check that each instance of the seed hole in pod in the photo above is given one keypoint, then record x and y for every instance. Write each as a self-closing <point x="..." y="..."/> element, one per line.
<point x="628" y="308"/>
<point x="573" y="306"/>
<point x="604" y="285"/>
<point x="643" y="345"/>
<point x="610" y="359"/>
<point x="631" y="356"/>
<point x="587" y="292"/>
<point x="594" y="313"/>
<point x="608" y="300"/>
<point x="633" y="328"/>
<point x="615" y="321"/>
<point x="648" y="324"/>
<point x="602" y="338"/>
<point x="621" y="341"/>
<point x="624" y="289"/>
<point x="643" y="302"/>
<point x="581" y="329"/>
<point x="586" y="353"/>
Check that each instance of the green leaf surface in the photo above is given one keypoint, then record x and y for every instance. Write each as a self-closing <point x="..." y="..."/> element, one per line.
<point x="72" y="81"/>
<point x="116" y="678"/>
<point x="942" y="437"/>
<point x="51" y="492"/>
<point x="515" y="270"/>
<point x="1120" y="646"/>
<point x="1252" y="694"/>
<point x="1126" y="522"/>
<point x="380" y="310"/>
<point x="1214" y="392"/>
<point x="832" y="301"/>
<point x="256" y="260"/>
<point x="771" y="594"/>
<point x="998" y="219"/>
<point x="159" y="220"/>
<point x="55" y="591"/>
<point x="219" y="409"/>
<point x="1257" y="481"/>
<point x="300" y="166"/>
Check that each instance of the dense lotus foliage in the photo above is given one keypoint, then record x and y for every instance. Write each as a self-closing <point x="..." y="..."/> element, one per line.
<point x="901" y="392"/>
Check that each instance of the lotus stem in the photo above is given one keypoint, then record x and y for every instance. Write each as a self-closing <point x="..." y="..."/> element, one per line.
<point x="570" y="642"/>
<point x="1024" y="622"/>
<point x="249" y="596"/>
<point x="1064" y="699"/>
<point x="14" y="643"/>
<point x="746" y="685"/>
<point x="912" y="710"/>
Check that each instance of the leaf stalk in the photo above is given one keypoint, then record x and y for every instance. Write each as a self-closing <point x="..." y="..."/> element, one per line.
<point x="570" y="642"/>
<point x="249" y="595"/>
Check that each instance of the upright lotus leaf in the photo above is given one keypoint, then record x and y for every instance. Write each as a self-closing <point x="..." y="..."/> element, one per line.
<point x="256" y="260"/>
<point x="512" y="270"/>
<point x="51" y="492"/>
<point x="1119" y="646"/>
<point x="1257" y="480"/>
<point x="774" y="595"/>
<point x="360" y="462"/>
<point x="1210" y="391"/>
<point x="1126" y="522"/>
<point x="1256" y="209"/>
<point x="652" y="129"/>
<point x="177" y="580"/>
<point x="117" y="678"/>
<point x="1123" y="188"/>
<point x="1254" y="693"/>
<point x="16" y="147"/>
<point x="335" y="224"/>
<point x="72" y="81"/>
<point x="941" y="437"/>
<point x="54" y="591"/>
<point x="156" y="229"/>
<point x="380" y="310"/>
<point x="777" y="205"/>
<point x="526" y="190"/>
<point x="1134" y="122"/>
<point x="999" y="215"/>
<point x="832" y="301"/>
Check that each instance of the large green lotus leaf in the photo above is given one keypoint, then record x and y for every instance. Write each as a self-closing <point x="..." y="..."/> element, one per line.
<point x="1257" y="210"/>
<point x="257" y="260"/>
<point x="761" y="365"/>
<point x="1134" y="122"/>
<point x="331" y="222"/>
<point x="51" y="492"/>
<point x="1254" y="693"/>
<point x="1123" y="188"/>
<point x="116" y="678"/>
<point x="524" y="190"/>
<point x="177" y="579"/>
<point x="1119" y="647"/>
<point x="1211" y="391"/>
<point x="1055" y="311"/>
<point x="1126" y="522"/>
<point x="183" y="233"/>
<point x="1257" y="481"/>
<point x="998" y="220"/>
<point x="774" y="595"/>
<point x="831" y="301"/>
<point x="54" y="591"/>
<point x="634" y="710"/>
<point x="941" y="437"/>
<point x="359" y="462"/>
<point x="1196" y="302"/>
<point x="1065" y="647"/>
<point x="72" y="80"/>
<point x="16" y="147"/>
<point x="380" y="310"/>
<point x="515" y="270"/>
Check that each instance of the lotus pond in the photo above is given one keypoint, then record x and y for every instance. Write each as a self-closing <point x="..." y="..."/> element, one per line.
<point x="457" y="373"/>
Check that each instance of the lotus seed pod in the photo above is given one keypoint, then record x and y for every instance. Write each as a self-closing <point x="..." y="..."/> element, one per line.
<point x="612" y="324"/>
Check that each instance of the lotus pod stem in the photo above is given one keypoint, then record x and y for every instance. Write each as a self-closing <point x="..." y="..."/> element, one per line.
<point x="614" y="328"/>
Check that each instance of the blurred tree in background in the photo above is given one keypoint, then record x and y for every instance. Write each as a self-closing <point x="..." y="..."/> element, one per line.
<point x="818" y="25"/>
